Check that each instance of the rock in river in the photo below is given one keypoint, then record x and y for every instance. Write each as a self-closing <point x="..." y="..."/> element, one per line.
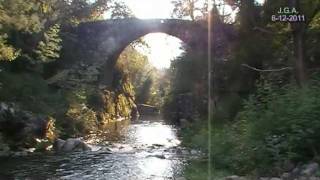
<point x="71" y="144"/>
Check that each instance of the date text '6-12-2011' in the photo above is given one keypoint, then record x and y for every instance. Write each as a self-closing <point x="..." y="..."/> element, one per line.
<point x="287" y="14"/>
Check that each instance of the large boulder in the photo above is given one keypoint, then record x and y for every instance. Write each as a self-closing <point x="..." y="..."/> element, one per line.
<point x="58" y="144"/>
<point x="310" y="169"/>
<point x="69" y="145"/>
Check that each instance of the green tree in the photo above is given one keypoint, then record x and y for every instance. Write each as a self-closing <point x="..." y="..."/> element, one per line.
<point x="17" y="15"/>
<point x="120" y="10"/>
<point x="145" y="91"/>
<point x="7" y="52"/>
<point x="191" y="9"/>
<point x="134" y="64"/>
<point x="309" y="9"/>
<point x="48" y="49"/>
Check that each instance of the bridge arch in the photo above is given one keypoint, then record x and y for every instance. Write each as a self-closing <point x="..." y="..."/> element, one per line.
<point x="109" y="38"/>
<point x="90" y="50"/>
<point x="113" y="36"/>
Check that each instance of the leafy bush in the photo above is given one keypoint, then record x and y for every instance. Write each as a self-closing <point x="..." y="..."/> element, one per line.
<point x="277" y="126"/>
<point x="198" y="169"/>
<point x="79" y="120"/>
<point x="281" y="124"/>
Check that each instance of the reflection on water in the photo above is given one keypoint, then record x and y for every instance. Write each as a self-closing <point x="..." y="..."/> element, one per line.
<point x="159" y="168"/>
<point x="141" y="151"/>
<point x="152" y="132"/>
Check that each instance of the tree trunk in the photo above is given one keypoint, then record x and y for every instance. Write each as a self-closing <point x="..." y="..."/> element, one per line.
<point x="298" y="34"/>
<point x="247" y="15"/>
<point x="299" y="57"/>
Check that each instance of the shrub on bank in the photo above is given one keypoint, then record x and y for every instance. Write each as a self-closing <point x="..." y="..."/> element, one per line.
<point x="276" y="127"/>
<point x="279" y="125"/>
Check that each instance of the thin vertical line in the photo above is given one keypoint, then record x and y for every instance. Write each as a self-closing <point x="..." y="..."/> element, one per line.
<point x="209" y="89"/>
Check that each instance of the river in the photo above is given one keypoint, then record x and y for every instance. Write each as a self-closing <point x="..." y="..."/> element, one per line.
<point x="145" y="149"/>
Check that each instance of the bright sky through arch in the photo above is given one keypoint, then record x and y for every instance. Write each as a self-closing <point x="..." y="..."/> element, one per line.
<point x="163" y="48"/>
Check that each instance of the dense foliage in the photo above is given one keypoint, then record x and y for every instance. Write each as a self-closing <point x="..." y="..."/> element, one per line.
<point x="276" y="127"/>
<point x="264" y="91"/>
<point x="32" y="36"/>
<point x="147" y="81"/>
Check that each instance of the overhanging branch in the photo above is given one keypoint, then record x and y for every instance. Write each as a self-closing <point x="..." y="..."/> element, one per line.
<point x="263" y="30"/>
<point x="267" y="70"/>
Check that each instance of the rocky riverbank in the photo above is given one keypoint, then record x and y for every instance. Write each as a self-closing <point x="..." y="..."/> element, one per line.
<point x="310" y="171"/>
<point x="24" y="131"/>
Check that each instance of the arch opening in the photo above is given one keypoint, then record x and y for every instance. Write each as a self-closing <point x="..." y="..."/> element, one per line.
<point x="145" y="61"/>
<point x="161" y="48"/>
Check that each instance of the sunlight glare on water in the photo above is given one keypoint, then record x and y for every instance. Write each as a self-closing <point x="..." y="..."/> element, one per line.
<point x="156" y="167"/>
<point x="156" y="133"/>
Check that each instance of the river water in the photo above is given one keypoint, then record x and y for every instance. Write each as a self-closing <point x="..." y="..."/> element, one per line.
<point x="145" y="149"/>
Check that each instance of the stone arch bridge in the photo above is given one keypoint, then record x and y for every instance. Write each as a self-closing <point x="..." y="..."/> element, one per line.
<point x="90" y="50"/>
